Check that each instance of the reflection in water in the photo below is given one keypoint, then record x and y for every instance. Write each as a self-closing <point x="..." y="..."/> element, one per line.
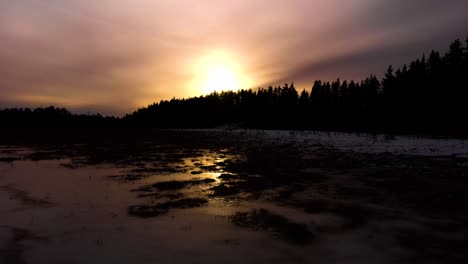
<point x="191" y="186"/>
<point x="166" y="203"/>
<point x="87" y="212"/>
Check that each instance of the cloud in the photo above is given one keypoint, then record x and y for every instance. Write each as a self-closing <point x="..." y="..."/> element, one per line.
<point x="384" y="13"/>
<point x="377" y="34"/>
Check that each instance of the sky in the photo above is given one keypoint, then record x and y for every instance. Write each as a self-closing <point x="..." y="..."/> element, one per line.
<point x="114" y="56"/>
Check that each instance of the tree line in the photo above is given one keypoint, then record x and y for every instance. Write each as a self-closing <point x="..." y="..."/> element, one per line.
<point x="52" y="117"/>
<point x="428" y="95"/>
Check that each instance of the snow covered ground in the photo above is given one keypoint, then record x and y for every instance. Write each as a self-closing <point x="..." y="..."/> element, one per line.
<point x="362" y="143"/>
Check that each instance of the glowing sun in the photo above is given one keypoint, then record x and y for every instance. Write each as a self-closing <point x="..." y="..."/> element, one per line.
<point x="220" y="79"/>
<point x="218" y="72"/>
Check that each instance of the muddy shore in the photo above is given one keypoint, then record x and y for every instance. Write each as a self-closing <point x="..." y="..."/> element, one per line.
<point x="216" y="195"/>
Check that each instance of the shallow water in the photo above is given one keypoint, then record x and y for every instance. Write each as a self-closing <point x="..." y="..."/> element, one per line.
<point x="58" y="207"/>
<point x="80" y="216"/>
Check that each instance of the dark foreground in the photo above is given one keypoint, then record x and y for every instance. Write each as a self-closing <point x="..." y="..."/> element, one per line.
<point x="209" y="196"/>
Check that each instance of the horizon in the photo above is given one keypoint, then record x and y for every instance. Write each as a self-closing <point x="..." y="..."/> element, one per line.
<point x="114" y="57"/>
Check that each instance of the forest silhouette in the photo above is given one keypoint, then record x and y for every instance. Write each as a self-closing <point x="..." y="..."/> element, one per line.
<point x="427" y="96"/>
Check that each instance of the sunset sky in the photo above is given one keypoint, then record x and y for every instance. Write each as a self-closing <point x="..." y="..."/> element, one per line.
<point x="115" y="56"/>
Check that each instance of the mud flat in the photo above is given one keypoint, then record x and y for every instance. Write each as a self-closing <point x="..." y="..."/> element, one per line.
<point x="210" y="196"/>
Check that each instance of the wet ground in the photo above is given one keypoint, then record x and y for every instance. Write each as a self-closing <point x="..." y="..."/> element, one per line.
<point x="210" y="196"/>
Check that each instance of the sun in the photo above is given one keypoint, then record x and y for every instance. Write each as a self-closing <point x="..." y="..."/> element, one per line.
<point x="216" y="72"/>
<point x="219" y="79"/>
